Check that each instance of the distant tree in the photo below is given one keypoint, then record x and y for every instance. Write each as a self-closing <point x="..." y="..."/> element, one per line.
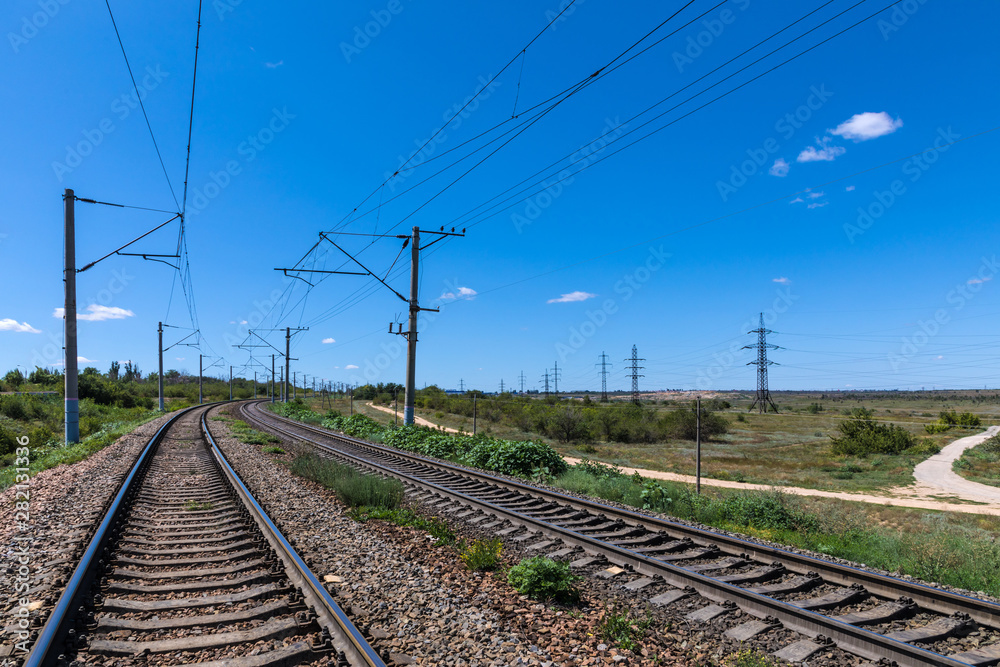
<point x="14" y="378"/>
<point x="44" y="377"/>
<point x="132" y="373"/>
<point x="567" y="424"/>
<point x="113" y="371"/>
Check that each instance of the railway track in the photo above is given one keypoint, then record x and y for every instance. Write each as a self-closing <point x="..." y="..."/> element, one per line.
<point x="186" y="567"/>
<point x="868" y="614"/>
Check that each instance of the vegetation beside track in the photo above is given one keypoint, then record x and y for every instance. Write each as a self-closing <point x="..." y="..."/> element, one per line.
<point x="960" y="550"/>
<point x="981" y="463"/>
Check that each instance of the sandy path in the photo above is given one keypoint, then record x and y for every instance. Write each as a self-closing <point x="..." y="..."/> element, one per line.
<point x="936" y="483"/>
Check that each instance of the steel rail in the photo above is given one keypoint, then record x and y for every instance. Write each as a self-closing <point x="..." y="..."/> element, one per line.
<point x="49" y="645"/>
<point x="345" y="635"/>
<point x="850" y="638"/>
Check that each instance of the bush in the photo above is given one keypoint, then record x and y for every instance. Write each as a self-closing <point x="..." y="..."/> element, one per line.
<point x="542" y="578"/>
<point x="271" y="449"/>
<point x="435" y="527"/>
<point x="766" y="510"/>
<point x="622" y="629"/>
<point x="482" y="555"/>
<point x="862" y="435"/>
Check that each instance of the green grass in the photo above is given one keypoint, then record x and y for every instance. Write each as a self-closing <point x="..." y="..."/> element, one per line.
<point x="981" y="463"/>
<point x="434" y="527"/>
<point x="242" y="431"/>
<point x="622" y="629"/>
<point x="195" y="506"/>
<point x="353" y="488"/>
<point x="747" y="657"/>
<point x="272" y="449"/>
<point x="482" y="555"/>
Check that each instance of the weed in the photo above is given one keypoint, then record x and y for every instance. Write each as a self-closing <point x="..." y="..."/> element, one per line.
<point x="622" y="629"/>
<point x="272" y="449"/>
<point x="482" y="555"/>
<point x="747" y="657"/>
<point x="435" y="527"/>
<point x="542" y="578"/>
<point x="353" y="488"/>
<point x="195" y="506"/>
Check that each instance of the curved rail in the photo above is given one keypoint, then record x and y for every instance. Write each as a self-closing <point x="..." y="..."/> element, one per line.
<point x="850" y="637"/>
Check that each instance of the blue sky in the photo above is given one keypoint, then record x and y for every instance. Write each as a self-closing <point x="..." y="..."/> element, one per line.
<point x="788" y="196"/>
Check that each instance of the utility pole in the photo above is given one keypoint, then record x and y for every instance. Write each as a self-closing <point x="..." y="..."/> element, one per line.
<point x="546" y="376"/>
<point x="255" y="384"/>
<point x="522" y="381"/>
<point x="604" y="377"/>
<point x="475" y="412"/>
<point x="72" y="398"/>
<point x="635" y="368"/>
<point x="160" y="378"/>
<point x="413" y="303"/>
<point x="555" y="377"/>
<point x="763" y="398"/>
<point x="698" y="446"/>
<point x="288" y="357"/>
<point x="272" y="378"/>
<point x="295" y="385"/>
<point x="200" y="372"/>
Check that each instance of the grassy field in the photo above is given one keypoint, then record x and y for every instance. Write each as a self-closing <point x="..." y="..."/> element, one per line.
<point x="981" y="463"/>
<point x="791" y="448"/>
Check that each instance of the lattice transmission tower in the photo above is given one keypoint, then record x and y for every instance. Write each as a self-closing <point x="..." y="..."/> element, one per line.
<point x="763" y="398"/>
<point x="635" y="368"/>
<point x="604" y="376"/>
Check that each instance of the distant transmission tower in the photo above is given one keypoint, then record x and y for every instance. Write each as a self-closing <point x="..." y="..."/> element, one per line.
<point x="763" y="398"/>
<point x="604" y="376"/>
<point x="555" y="377"/>
<point x="522" y="381"/>
<point x="635" y="368"/>
<point x="546" y="377"/>
<point x="501" y="386"/>
<point x="461" y="386"/>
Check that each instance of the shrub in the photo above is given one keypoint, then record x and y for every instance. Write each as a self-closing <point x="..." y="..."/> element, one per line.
<point x="862" y="435"/>
<point x="435" y="527"/>
<point x="766" y="510"/>
<point x="482" y="555"/>
<point x="542" y="578"/>
<point x="622" y="629"/>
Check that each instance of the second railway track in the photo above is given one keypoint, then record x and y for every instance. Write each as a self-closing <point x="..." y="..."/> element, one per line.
<point x="187" y="568"/>
<point x="865" y="613"/>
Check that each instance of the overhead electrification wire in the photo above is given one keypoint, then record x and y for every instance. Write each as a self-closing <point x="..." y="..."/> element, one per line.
<point x="141" y="105"/>
<point x="194" y="81"/>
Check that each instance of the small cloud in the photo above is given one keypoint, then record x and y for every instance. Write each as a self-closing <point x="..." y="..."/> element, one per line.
<point x="818" y="204"/>
<point x="179" y="358"/>
<point x="336" y="367"/>
<point x="463" y="293"/>
<point x="822" y="152"/>
<point x="816" y="195"/>
<point x="97" y="313"/>
<point x="573" y="297"/>
<point x="783" y="280"/>
<point x="868" y="125"/>
<point x="779" y="168"/>
<point x="232" y="321"/>
<point x="797" y="200"/>
<point x="274" y="65"/>
<point x="328" y="341"/>
<point x="8" y="324"/>
<point x="243" y="322"/>
<point x="350" y="367"/>
<point x="978" y="281"/>
<point x="79" y="360"/>
<point x="940" y="356"/>
<point x="849" y="188"/>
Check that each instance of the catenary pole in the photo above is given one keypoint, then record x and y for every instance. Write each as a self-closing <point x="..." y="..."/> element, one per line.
<point x="72" y="397"/>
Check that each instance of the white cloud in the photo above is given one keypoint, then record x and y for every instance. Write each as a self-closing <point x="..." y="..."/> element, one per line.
<point x="940" y="356"/>
<point x="818" y="204"/>
<point x="179" y="358"/>
<point x="797" y="200"/>
<point x="8" y="324"/>
<point x="350" y="367"/>
<point x="779" y="168"/>
<point x="849" y="188"/>
<point x="783" y="280"/>
<point x="79" y="360"/>
<point x="463" y="293"/>
<point x="336" y="367"/>
<point x="822" y="152"/>
<point x="572" y="297"/>
<point x="232" y="321"/>
<point x="816" y="195"/>
<point x="97" y="313"/>
<point x="978" y="281"/>
<point x="243" y="322"/>
<point x="868" y="125"/>
<point x="274" y="65"/>
<point x="328" y="341"/>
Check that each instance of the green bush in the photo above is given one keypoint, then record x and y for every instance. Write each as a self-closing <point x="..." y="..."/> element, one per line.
<point x="482" y="555"/>
<point x="542" y="578"/>
<point x="435" y="527"/>
<point x="862" y="435"/>
<point x="766" y="510"/>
